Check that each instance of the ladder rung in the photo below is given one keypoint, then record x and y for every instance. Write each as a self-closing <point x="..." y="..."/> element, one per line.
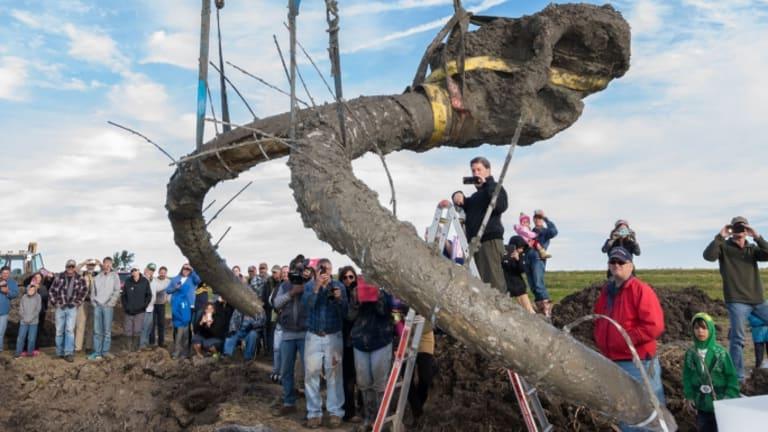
<point x="531" y="391"/>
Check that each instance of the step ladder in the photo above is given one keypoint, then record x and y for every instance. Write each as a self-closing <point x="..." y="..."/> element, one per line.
<point x="407" y="350"/>
<point x="530" y="405"/>
<point x="445" y="220"/>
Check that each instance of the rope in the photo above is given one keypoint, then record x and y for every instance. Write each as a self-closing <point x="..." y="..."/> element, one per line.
<point x="222" y="79"/>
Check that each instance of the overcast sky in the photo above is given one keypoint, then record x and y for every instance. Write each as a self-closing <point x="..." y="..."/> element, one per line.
<point x="677" y="146"/>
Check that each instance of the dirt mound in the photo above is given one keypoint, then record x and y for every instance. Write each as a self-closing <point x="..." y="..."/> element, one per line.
<point x="679" y="305"/>
<point x="757" y="384"/>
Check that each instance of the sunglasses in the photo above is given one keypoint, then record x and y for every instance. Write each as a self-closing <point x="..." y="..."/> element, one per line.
<point x="70" y="266"/>
<point x="349" y="277"/>
<point x="186" y="268"/>
<point x="617" y="262"/>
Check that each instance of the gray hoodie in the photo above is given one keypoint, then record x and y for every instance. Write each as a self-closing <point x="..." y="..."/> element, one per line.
<point x="29" y="308"/>
<point x="106" y="289"/>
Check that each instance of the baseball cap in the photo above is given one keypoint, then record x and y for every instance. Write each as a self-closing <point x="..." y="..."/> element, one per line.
<point x="621" y="254"/>
<point x="91" y="262"/>
<point x="739" y="220"/>
<point x="621" y="222"/>
<point x="70" y="263"/>
<point x="152" y="266"/>
<point x="276" y="268"/>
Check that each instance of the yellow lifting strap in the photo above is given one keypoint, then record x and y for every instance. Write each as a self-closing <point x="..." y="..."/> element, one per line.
<point x="441" y="111"/>
<point x="557" y="76"/>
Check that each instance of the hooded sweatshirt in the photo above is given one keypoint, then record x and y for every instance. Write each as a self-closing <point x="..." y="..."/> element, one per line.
<point x="136" y="295"/>
<point x="106" y="289"/>
<point x="719" y="368"/>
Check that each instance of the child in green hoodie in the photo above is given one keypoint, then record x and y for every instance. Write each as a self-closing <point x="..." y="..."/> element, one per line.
<point x="708" y="373"/>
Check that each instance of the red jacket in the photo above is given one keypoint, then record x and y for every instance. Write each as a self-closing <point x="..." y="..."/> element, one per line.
<point x="638" y="310"/>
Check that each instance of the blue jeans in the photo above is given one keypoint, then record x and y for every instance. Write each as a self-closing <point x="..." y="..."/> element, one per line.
<point x="277" y="364"/>
<point x="372" y="371"/>
<point x="28" y="333"/>
<point x="632" y="370"/>
<point x="146" y="329"/>
<point x="534" y="272"/>
<point x="65" y="331"/>
<point x="102" y="329"/>
<point x="323" y="354"/>
<point x="3" y="326"/>
<point x="289" y="349"/>
<point x="251" y="337"/>
<point x="737" y="315"/>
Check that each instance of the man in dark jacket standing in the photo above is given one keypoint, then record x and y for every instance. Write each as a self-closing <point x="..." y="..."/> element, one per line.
<point x="742" y="289"/>
<point x="137" y="295"/>
<point x="293" y="322"/>
<point x="488" y="256"/>
<point x="67" y="293"/>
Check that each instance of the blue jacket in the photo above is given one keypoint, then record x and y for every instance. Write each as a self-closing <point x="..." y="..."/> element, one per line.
<point x="182" y="298"/>
<point x="759" y="329"/>
<point x="544" y="236"/>
<point x="5" y="299"/>
<point x="323" y="314"/>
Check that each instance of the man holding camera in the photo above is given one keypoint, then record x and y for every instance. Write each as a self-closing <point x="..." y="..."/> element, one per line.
<point x="326" y="302"/>
<point x="292" y="323"/>
<point x="742" y="288"/>
<point x="488" y="256"/>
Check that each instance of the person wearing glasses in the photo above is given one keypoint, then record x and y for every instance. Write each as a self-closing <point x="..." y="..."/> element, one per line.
<point x="67" y="293"/>
<point x="742" y="289"/>
<point x="348" y="277"/>
<point x="182" y="289"/>
<point x="634" y="305"/>
<point x="325" y="301"/>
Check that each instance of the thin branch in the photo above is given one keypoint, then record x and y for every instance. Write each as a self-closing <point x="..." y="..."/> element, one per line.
<point x="216" y="245"/>
<point x="261" y="80"/>
<point x="309" y="57"/>
<point x="255" y="117"/>
<point x="208" y="206"/>
<point x="306" y="90"/>
<point x="145" y="138"/>
<point x="213" y="110"/>
<point x="215" y="215"/>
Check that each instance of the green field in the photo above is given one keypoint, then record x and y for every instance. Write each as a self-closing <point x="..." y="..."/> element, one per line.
<point x="562" y="283"/>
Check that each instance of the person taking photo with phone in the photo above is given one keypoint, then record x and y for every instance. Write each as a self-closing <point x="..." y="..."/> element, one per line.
<point x="742" y="289"/>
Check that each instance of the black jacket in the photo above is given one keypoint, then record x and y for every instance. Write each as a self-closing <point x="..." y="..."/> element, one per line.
<point x="136" y="296"/>
<point x="513" y="275"/>
<point x="475" y="207"/>
<point x="219" y="327"/>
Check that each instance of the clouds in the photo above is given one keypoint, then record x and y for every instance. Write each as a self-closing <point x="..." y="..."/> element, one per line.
<point x="13" y="76"/>
<point x="94" y="46"/>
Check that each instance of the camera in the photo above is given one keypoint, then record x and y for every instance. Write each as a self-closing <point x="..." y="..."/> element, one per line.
<point x="469" y="180"/>
<point x="296" y="275"/>
<point x="738" y="228"/>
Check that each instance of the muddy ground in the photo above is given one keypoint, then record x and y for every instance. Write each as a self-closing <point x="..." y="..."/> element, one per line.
<point x="150" y="391"/>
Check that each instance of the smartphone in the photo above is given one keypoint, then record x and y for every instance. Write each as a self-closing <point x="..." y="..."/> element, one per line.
<point x="469" y="180"/>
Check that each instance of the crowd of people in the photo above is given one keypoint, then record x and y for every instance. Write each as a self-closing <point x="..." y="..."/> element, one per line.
<point x="342" y="330"/>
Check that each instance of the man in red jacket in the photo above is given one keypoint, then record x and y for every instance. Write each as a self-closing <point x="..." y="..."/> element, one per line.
<point x="634" y="305"/>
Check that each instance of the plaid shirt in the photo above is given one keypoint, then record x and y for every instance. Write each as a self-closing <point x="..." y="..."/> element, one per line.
<point x="323" y="314"/>
<point x="57" y="294"/>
